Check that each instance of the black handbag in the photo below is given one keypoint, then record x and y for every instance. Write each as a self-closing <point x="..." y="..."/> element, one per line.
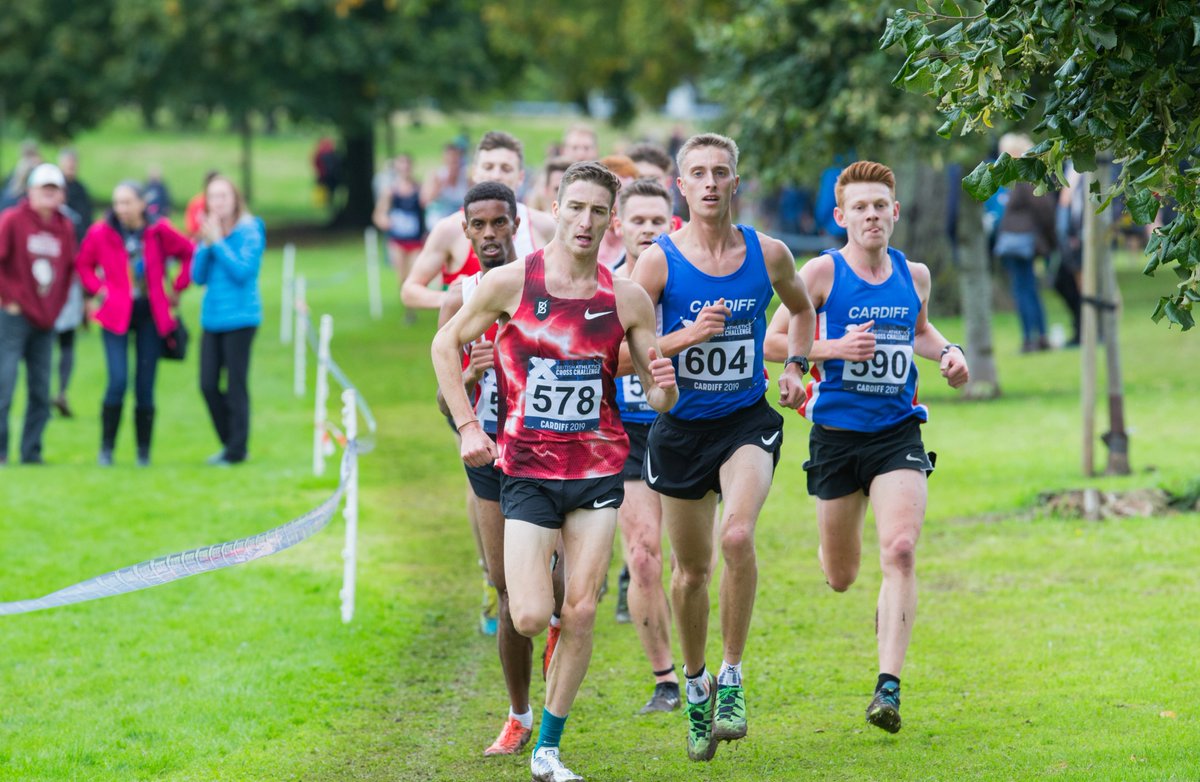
<point x="174" y="345"/>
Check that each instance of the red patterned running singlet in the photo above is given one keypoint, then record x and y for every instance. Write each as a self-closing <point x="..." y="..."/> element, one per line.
<point x="557" y="360"/>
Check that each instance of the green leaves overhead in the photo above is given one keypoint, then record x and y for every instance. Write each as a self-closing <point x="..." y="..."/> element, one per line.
<point x="802" y="81"/>
<point x="1116" y="79"/>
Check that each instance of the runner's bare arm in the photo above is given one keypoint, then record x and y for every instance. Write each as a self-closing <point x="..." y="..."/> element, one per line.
<point x="542" y="226"/>
<point x="802" y="318"/>
<point x="498" y="294"/>
<point x="429" y="264"/>
<point x="380" y="215"/>
<point x="928" y="342"/>
<point x="651" y="274"/>
<point x="656" y="372"/>
<point x="451" y="304"/>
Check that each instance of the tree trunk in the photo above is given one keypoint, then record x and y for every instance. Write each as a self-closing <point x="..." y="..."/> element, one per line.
<point x="975" y="289"/>
<point x="357" y="171"/>
<point x="389" y="134"/>
<point x="247" y="134"/>
<point x="1093" y="238"/>
<point x="1116" y="438"/>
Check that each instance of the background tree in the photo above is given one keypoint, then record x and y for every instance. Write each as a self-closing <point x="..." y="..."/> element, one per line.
<point x="803" y="81"/>
<point x="64" y="66"/>
<point x="1101" y="77"/>
<point x="624" y="48"/>
<point x="57" y="63"/>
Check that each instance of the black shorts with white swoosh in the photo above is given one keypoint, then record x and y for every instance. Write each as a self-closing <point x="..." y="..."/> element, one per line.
<point x="546" y="503"/>
<point x="841" y="462"/>
<point x="683" y="458"/>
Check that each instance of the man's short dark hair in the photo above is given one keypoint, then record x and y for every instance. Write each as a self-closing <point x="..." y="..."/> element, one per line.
<point x="498" y="139"/>
<point x="653" y="154"/>
<point x="491" y="191"/>
<point x="590" y="171"/>
<point x="645" y="186"/>
<point x="556" y="164"/>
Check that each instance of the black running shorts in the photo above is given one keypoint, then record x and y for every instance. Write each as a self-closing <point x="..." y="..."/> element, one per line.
<point x="632" y="471"/>
<point x="684" y="458"/>
<point x="485" y="481"/>
<point x="842" y="462"/>
<point x="546" y="503"/>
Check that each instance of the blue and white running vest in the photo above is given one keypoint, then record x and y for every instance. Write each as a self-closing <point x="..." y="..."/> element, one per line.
<point x="867" y="396"/>
<point x="724" y="374"/>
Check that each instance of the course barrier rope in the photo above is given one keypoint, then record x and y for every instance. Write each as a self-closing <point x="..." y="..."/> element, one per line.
<point x="343" y="380"/>
<point x="173" y="567"/>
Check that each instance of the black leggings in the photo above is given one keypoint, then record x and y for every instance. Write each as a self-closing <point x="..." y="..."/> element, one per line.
<point x="230" y="409"/>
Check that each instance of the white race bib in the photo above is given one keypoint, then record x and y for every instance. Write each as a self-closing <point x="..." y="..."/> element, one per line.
<point x="404" y="224"/>
<point x="486" y="407"/>
<point x="723" y="363"/>
<point x="633" y="396"/>
<point x="885" y="374"/>
<point x="563" y="396"/>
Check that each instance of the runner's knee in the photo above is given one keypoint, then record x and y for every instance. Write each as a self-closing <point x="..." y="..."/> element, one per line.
<point x="737" y="543"/>
<point x="900" y="553"/>
<point x="645" y="565"/>
<point x="579" y="614"/>
<point x="529" y="621"/>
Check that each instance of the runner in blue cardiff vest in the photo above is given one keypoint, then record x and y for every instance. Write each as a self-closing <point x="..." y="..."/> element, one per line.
<point x="712" y="281"/>
<point x="865" y="445"/>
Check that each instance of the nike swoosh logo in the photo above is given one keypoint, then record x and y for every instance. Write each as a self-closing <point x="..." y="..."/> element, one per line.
<point x="589" y="315"/>
<point x="649" y="472"/>
<point x="770" y="440"/>
<point x="599" y="504"/>
<point x="912" y="458"/>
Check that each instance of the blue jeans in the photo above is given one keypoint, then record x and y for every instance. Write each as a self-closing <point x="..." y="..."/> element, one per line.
<point x="1026" y="295"/>
<point x="20" y="340"/>
<point x="147" y="345"/>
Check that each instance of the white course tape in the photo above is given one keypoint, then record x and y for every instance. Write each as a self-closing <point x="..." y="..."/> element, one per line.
<point x="173" y="567"/>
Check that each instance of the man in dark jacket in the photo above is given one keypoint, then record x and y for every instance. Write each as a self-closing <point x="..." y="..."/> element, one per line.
<point x="37" y="255"/>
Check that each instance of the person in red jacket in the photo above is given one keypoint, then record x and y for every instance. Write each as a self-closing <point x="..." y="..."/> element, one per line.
<point x="37" y="250"/>
<point x="134" y="295"/>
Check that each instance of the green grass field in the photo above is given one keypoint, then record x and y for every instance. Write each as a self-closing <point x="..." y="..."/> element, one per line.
<point x="1045" y="647"/>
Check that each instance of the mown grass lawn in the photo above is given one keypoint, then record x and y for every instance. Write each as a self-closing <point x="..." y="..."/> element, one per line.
<point x="1045" y="647"/>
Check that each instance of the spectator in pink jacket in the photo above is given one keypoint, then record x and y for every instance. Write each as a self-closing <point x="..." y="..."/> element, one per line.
<point x="123" y="264"/>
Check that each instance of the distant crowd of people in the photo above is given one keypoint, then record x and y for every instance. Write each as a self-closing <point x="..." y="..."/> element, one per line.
<point x="126" y="273"/>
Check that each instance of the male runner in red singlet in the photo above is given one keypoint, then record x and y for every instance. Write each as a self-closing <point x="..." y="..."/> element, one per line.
<point x="489" y="222"/>
<point x="561" y="443"/>
<point x="498" y="158"/>
<point x="865" y="445"/>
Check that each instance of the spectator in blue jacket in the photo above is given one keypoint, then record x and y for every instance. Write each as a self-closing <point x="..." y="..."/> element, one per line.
<point x="227" y="261"/>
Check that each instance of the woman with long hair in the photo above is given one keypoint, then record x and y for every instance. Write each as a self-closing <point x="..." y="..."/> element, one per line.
<point x="228" y="259"/>
<point x="122" y="262"/>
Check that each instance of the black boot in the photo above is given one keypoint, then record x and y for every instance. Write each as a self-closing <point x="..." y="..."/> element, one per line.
<point x="143" y="418"/>
<point x="110" y="421"/>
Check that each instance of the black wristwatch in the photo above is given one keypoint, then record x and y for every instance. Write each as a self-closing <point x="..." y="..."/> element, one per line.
<point x="801" y="360"/>
<point x="946" y="349"/>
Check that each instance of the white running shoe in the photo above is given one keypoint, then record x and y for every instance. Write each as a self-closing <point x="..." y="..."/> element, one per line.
<point x="547" y="767"/>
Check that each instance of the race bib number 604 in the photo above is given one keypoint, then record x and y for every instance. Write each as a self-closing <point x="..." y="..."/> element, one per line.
<point x="723" y="363"/>
<point x="563" y="396"/>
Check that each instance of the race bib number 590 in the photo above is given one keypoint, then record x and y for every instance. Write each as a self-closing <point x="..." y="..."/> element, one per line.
<point x="885" y="374"/>
<point x="563" y="396"/>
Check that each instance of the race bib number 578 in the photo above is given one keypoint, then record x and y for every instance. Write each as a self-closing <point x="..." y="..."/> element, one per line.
<point x="563" y="396"/>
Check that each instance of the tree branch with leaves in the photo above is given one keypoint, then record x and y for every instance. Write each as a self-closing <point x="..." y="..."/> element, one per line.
<point x="1100" y="77"/>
